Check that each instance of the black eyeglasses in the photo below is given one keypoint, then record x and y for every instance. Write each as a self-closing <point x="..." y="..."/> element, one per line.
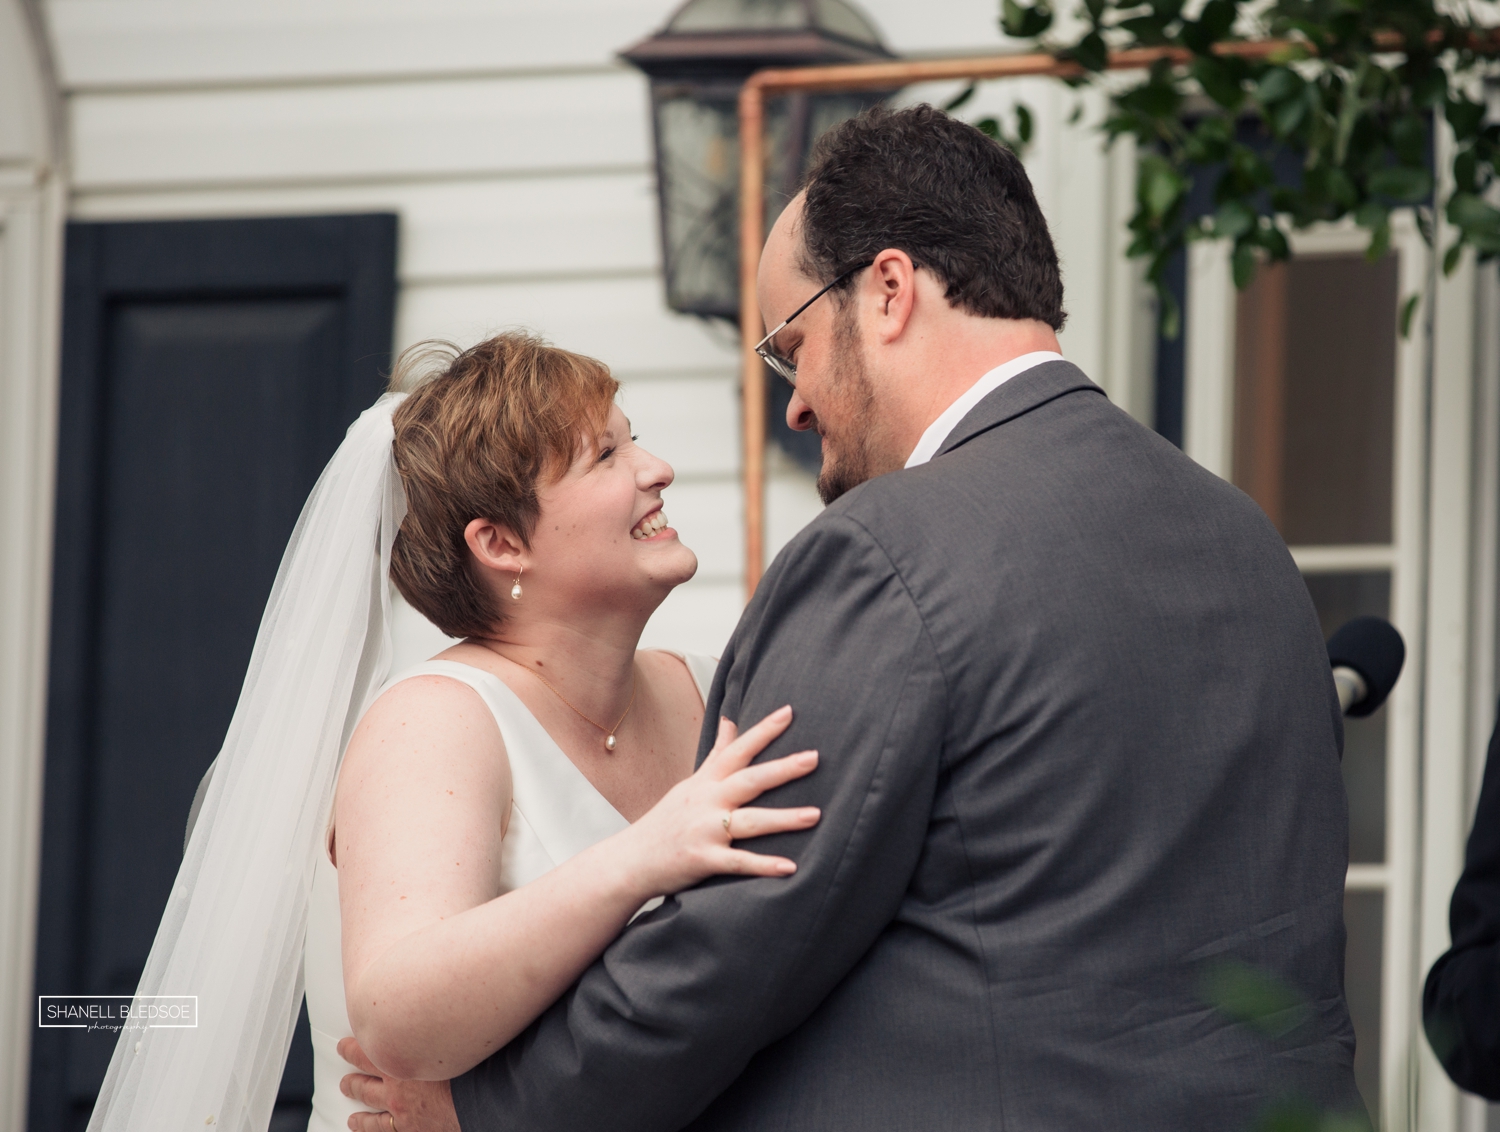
<point x="785" y="366"/>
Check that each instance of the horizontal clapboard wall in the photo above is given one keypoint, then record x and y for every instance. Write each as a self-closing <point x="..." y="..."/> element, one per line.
<point x="517" y="152"/>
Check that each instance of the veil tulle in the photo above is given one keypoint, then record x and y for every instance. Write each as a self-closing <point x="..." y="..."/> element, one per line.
<point x="233" y="929"/>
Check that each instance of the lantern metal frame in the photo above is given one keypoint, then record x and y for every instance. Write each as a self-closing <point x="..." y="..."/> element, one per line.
<point x="708" y="66"/>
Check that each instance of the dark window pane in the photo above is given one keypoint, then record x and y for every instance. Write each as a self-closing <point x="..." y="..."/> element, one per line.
<point x="1315" y="381"/>
<point x="1338" y="597"/>
<point x="1364" y="914"/>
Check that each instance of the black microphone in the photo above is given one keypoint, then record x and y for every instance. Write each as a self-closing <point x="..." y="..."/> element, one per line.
<point x="1366" y="654"/>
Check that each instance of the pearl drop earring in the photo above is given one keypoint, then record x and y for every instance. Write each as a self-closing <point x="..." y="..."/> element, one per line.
<point x="515" y="590"/>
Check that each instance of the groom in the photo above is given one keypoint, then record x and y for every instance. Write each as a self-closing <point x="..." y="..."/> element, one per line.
<point x="1080" y="747"/>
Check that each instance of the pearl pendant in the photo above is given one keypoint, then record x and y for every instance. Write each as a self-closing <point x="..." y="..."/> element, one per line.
<point x="515" y="592"/>
<point x="609" y="742"/>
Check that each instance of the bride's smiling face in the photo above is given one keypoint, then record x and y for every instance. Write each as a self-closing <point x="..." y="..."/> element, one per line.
<point x="602" y="535"/>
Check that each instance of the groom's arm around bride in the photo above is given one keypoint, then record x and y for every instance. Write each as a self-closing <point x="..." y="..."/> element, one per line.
<point x="1078" y="739"/>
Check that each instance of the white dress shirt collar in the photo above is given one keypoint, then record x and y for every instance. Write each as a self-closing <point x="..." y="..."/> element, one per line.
<point x="939" y="430"/>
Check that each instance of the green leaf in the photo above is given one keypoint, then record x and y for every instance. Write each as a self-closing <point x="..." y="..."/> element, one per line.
<point x="1170" y="319"/>
<point x="1209" y="142"/>
<point x="1095" y="10"/>
<point x="1252" y="995"/>
<point x="1274" y="240"/>
<point x="1408" y="309"/>
<point x="1430" y="88"/>
<point x="1244" y="263"/>
<point x="1425" y="224"/>
<point x="1295" y="1114"/>
<point x="1217" y="17"/>
<point x="1288" y="116"/>
<point x="1218" y="81"/>
<point x="1152" y="99"/>
<point x="1466" y="172"/>
<point x="1158" y="186"/>
<point x="1450" y="260"/>
<point x="989" y="127"/>
<point x="1277" y="84"/>
<point x="1077" y="115"/>
<point x="1233" y="219"/>
<point x="1024" y="22"/>
<point x="1149" y="31"/>
<point x="1469" y="212"/>
<point x="1409" y="139"/>
<point x="1371" y="215"/>
<point x="1341" y="188"/>
<point x="1024" y="123"/>
<point x="1091" y="53"/>
<point x="1402" y="183"/>
<point x="1465" y="117"/>
<point x="1375" y="217"/>
<point x="960" y="98"/>
<point x="1212" y="25"/>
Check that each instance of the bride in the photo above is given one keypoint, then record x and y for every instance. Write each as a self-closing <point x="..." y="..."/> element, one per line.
<point x="456" y="844"/>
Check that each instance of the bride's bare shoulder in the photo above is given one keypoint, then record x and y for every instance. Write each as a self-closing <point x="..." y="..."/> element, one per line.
<point x="425" y="729"/>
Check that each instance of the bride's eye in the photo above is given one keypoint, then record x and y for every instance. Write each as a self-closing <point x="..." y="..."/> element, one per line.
<point x="606" y="454"/>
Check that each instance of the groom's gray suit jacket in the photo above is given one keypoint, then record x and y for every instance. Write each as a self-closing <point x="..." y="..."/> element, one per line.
<point x="1080" y="753"/>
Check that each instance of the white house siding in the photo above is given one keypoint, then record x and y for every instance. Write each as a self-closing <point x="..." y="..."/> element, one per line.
<point x="517" y="151"/>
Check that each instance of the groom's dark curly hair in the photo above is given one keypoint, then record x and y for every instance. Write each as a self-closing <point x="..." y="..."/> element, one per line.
<point x="957" y="202"/>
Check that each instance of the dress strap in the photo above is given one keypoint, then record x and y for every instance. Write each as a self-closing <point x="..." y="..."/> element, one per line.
<point x="700" y="667"/>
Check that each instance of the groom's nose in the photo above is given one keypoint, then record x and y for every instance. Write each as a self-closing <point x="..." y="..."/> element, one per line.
<point x="799" y="418"/>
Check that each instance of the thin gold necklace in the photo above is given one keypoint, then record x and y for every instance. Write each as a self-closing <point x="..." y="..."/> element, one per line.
<point x="609" y="732"/>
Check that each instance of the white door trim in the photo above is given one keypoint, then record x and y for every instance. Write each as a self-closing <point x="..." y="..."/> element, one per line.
<point x="32" y="207"/>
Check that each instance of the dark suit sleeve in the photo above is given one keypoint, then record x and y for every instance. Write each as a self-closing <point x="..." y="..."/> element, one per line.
<point x="680" y="1003"/>
<point x="1461" y="1002"/>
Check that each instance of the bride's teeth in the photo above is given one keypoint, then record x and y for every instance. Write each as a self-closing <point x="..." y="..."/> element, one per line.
<point x="650" y="525"/>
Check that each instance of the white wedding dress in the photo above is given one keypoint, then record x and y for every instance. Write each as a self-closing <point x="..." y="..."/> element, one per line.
<point x="555" y="813"/>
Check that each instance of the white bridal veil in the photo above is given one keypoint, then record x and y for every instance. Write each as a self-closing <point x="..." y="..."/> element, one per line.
<point x="233" y="929"/>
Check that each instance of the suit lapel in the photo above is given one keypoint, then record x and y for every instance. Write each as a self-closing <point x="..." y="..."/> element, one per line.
<point x="1022" y="393"/>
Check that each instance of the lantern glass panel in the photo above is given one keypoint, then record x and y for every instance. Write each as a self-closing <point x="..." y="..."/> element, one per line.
<point x="699" y="168"/>
<point x="698" y="150"/>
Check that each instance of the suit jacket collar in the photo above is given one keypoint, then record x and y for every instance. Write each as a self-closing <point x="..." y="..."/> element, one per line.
<point x="1022" y="393"/>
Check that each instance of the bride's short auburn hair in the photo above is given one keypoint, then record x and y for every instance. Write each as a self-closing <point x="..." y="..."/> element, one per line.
<point x="480" y="430"/>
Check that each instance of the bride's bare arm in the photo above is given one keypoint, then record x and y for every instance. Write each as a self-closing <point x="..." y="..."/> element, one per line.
<point x="439" y="971"/>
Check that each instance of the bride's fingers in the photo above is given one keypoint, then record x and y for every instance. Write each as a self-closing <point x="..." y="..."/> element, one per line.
<point x="734" y="755"/>
<point x="753" y="781"/>
<point x="757" y="821"/>
<point x="728" y="732"/>
<point x="741" y="862"/>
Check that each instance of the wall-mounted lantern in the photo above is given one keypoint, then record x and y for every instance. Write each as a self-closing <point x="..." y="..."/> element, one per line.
<point x="697" y="63"/>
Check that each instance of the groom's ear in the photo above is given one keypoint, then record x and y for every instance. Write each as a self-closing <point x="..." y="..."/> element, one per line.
<point x="496" y="547"/>
<point x="895" y="278"/>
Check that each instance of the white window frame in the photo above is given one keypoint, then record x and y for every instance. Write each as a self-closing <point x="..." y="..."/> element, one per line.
<point x="1442" y="565"/>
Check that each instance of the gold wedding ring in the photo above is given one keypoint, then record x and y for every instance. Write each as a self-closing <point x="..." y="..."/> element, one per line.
<point x="391" y="1116"/>
<point x="727" y="817"/>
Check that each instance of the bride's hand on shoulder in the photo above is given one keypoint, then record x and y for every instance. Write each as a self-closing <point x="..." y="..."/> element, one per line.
<point x="688" y="836"/>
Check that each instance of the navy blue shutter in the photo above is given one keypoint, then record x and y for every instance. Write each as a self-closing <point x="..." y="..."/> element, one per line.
<point x="209" y="370"/>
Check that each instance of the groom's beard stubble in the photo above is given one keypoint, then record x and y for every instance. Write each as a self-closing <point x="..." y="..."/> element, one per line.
<point x="847" y="458"/>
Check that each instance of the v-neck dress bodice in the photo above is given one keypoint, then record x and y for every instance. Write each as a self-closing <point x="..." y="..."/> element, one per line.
<point x="555" y="813"/>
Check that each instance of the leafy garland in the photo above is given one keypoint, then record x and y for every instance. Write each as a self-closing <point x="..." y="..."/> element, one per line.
<point x="1353" y="92"/>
